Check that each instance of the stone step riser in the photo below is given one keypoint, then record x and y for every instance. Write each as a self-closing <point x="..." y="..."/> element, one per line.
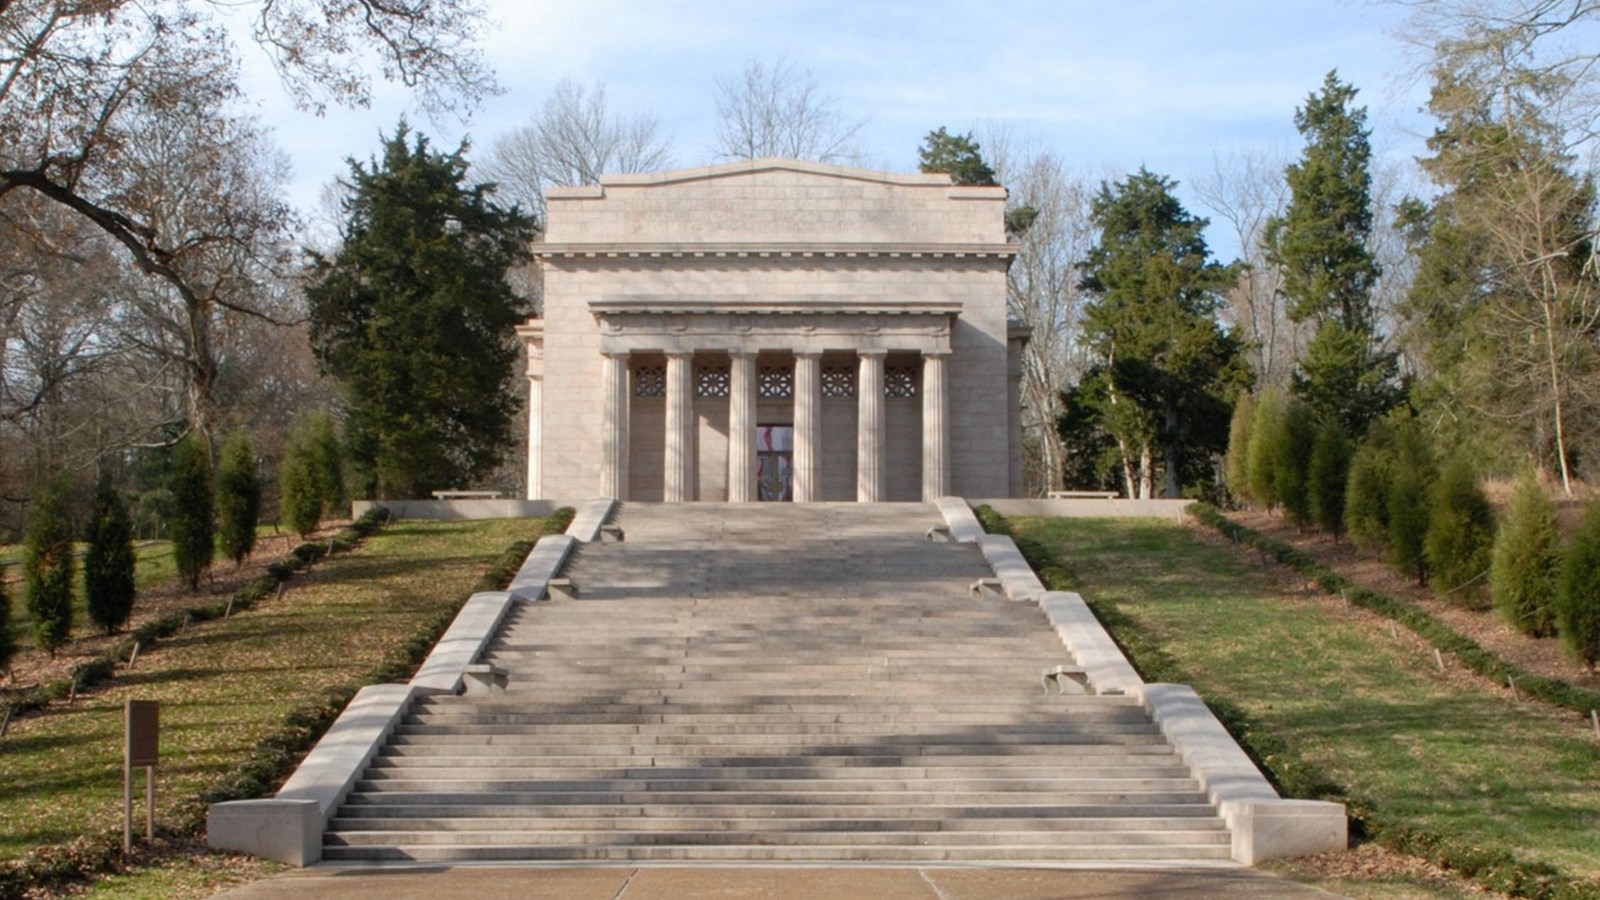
<point x="1138" y="838"/>
<point x="748" y="853"/>
<point x="1154" y="755"/>
<point x="676" y="720"/>
<point x="735" y="729"/>
<point x="782" y="797"/>
<point x="742" y="745"/>
<point x="499" y="768"/>
<point x="809" y="782"/>
<point x="642" y="824"/>
<point x="395" y="807"/>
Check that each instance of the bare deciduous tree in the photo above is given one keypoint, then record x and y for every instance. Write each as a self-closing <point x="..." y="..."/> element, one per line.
<point x="778" y="109"/>
<point x="574" y="140"/>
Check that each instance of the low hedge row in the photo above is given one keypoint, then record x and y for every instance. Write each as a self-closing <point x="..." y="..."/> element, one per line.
<point x="1470" y="654"/>
<point x="1494" y="869"/>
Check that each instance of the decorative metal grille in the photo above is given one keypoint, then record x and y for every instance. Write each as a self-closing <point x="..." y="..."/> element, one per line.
<point x="650" y="381"/>
<point x="899" y="381"/>
<point x="838" y="381"/>
<point x="712" y="381"/>
<point x="776" y="382"/>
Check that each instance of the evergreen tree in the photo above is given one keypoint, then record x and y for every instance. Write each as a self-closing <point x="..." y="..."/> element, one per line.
<point x="1522" y="573"/>
<point x="1168" y="368"/>
<point x="47" y="566"/>
<point x="1267" y="431"/>
<point x="327" y="456"/>
<point x="1460" y="536"/>
<point x="109" y="562"/>
<point x="1410" y="485"/>
<point x="1236" y="466"/>
<point x="8" y="641"/>
<point x="238" y="497"/>
<point x="300" y="485"/>
<point x="1578" y="591"/>
<point x="1292" y="462"/>
<point x="957" y="154"/>
<point x="193" y="521"/>
<point x="1327" y="477"/>
<point x="1366" y="496"/>
<point x="1320" y="243"/>
<point x="414" y="316"/>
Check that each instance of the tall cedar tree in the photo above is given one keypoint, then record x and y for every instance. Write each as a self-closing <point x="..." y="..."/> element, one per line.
<point x="1366" y="495"/>
<point x="1327" y="476"/>
<point x="238" y="497"/>
<point x="957" y="154"/>
<point x="414" y="316"/>
<point x="1236" y="466"/>
<point x="1578" y="591"/>
<point x="1320" y="243"/>
<point x="1522" y="572"/>
<point x="300" y="500"/>
<point x="1292" y="461"/>
<point x="47" y="566"/>
<point x="1460" y="533"/>
<point x="108" y="564"/>
<point x="1168" y="368"/>
<point x="1410" y="485"/>
<point x="193" y="517"/>
<point x="1266" y="431"/>
<point x="327" y="455"/>
<point x="8" y="641"/>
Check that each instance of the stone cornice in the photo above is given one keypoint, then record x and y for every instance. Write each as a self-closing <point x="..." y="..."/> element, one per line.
<point x="808" y="306"/>
<point x="646" y="250"/>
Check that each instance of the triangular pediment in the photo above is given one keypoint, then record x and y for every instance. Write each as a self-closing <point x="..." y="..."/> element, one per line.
<point x="758" y="167"/>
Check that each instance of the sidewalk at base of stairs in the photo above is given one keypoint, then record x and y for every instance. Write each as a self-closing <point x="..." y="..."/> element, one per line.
<point x="485" y="882"/>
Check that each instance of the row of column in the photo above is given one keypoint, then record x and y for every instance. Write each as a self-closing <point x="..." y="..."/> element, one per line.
<point x="680" y="458"/>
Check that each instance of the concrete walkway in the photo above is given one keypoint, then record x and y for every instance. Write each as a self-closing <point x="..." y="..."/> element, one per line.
<point x="757" y="883"/>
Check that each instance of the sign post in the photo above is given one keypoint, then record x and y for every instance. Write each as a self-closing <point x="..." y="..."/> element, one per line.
<point x="142" y="749"/>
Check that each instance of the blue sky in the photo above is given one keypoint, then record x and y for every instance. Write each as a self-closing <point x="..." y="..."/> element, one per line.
<point x="1108" y="86"/>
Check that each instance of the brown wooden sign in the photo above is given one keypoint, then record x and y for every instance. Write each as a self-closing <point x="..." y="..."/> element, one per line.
<point x="144" y="733"/>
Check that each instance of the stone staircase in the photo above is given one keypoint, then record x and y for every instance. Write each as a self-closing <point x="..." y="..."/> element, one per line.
<point x="777" y="683"/>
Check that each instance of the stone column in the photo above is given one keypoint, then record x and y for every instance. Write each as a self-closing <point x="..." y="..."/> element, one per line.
<point x="869" y="428"/>
<point x="935" y="428"/>
<point x="807" y="427"/>
<point x="614" y="425"/>
<point x="742" y="428"/>
<point x="680" y="456"/>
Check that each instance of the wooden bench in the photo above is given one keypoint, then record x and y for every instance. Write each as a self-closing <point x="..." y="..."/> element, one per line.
<point x="1082" y="495"/>
<point x="562" y="589"/>
<point x="484" y="678"/>
<point x="467" y="495"/>
<point x="1057" y="678"/>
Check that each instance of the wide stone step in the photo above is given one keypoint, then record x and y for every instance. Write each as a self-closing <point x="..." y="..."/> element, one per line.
<point x="1169" y="825"/>
<point x="628" y="700"/>
<point x="867" y="727"/>
<point x="802" y="781"/>
<point x="391" y="806"/>
<point x="744" y="744"/>
<point x="1153" y="753"/>
<point x="747" y="853"/>
<point x="864" y="767"/>
<point x="786" y="794"/>
<point x="798" y="720"/>
<point x="759" y="837"/>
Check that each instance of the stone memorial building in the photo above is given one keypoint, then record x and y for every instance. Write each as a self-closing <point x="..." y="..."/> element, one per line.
<point x="774" y="330"/>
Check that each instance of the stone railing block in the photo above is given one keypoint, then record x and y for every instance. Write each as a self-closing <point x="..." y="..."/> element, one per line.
<point x="1009" y="566"/>
<point x="471" y="630"/>
<point x="591" y="515"/>
<point x="1108" y="671"/>
<point x="547" y="558"/>
<point x="963" y="524"/>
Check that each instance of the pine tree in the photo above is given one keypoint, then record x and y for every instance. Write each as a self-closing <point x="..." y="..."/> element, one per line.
<point x="1366" y="496"/>
<point x="193" y="522"/>
<point x="1267" y="431"/>
<point x="1320" y="243"/>
<point x="1578" y="591"/>
<point x="1460" y="535"/>
<point x="1409" y="489"/>
<point x="1522" y="574"/>
<point x="109" y="562"/>
<point x="1327" y="477"/>
<point x="47" y="566"/>
<point x="1236" y="465"/>
<point x="1292" y="462"/>
<point x="957" y="154"/>
<point x="425" y="254"/>
<point x="299" y="486"/>
<point x="238" y="497"/>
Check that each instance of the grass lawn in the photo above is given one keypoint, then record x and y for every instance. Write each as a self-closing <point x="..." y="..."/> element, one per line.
<point x="226" y="684"/>
<point x="1414" y="747"/>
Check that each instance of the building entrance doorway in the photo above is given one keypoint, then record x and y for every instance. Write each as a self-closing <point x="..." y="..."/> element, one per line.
<point x="775" y="462"/>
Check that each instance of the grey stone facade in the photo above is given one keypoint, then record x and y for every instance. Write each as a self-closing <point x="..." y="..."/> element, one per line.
<point x="773" y="328"/>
